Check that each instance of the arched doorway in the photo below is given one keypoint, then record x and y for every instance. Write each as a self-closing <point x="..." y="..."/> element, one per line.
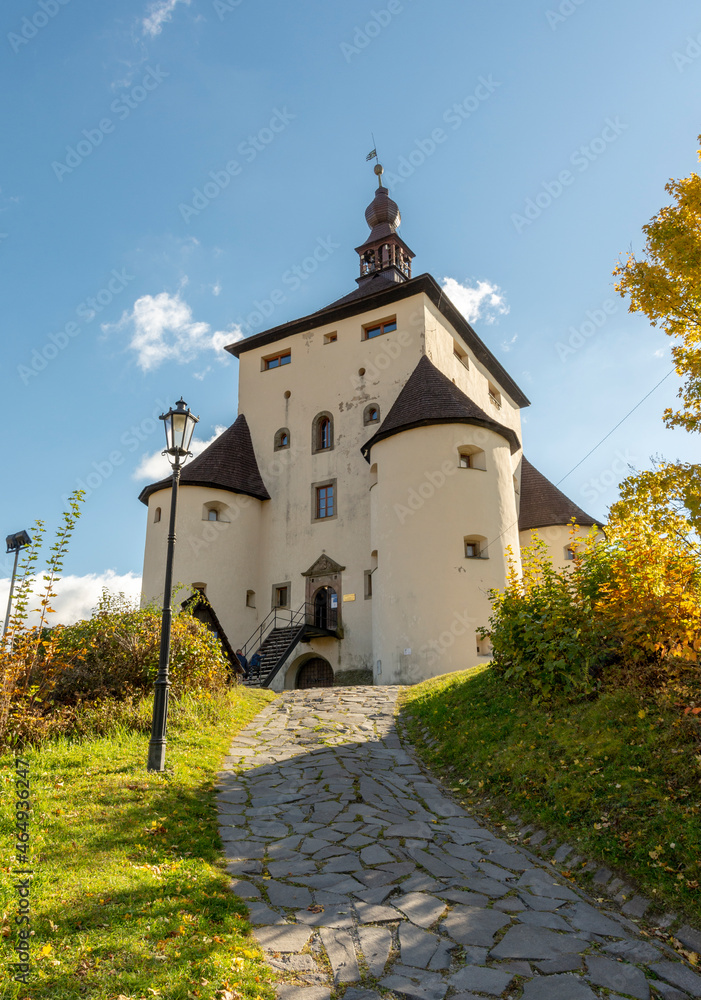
<point x="315" y="673"/>
<point x="325" y="608"/>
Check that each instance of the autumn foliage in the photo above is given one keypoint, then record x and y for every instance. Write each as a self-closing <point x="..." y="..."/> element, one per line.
<point x="626" y="612"/>
<point x="90" y="676"/>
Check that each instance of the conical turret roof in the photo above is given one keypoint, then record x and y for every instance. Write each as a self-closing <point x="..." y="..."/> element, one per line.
<point x="229" y="463"/>
<point x="429" y="397"/>
<point x="543" y="504"/>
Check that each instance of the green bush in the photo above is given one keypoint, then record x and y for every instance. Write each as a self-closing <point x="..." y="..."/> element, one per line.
<point x="546" y="640"/>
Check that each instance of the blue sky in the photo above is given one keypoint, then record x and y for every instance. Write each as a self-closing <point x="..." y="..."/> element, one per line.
<point x="168" y="164"/>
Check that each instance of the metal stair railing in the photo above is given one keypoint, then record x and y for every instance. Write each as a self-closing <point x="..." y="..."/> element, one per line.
<point x="285" y="618"/>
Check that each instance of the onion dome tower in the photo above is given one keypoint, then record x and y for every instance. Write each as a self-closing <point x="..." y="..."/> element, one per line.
<point x="384" y="252"/>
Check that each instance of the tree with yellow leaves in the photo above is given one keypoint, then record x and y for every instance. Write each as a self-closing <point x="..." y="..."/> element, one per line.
<point x="665" y="284"/>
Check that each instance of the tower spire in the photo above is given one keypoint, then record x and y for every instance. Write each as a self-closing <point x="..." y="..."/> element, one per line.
<point x="384" y="252"/>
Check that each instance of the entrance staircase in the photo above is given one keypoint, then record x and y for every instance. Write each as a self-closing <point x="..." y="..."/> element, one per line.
<point x="280" y="633"/>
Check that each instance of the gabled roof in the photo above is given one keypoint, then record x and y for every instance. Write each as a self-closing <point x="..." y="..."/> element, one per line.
<point x="229" y="463"/>
<point x="376" y="295"/>
<point x="543" y="504"/>
<point x="429" y="397"/>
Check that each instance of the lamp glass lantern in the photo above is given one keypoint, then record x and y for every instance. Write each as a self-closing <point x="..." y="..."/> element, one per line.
<point x="179" y="425"/>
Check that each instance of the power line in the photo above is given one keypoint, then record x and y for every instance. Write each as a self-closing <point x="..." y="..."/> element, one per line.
<point x="623" y="420"/>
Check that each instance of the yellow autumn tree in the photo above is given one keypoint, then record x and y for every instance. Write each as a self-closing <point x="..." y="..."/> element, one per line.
<point x="664" y="283"/>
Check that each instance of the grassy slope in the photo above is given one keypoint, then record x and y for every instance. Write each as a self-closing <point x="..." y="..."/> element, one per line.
<point x="130" y="894"/>
<point x="617" y="778"/>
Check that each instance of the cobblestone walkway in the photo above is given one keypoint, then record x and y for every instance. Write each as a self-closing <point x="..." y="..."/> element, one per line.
<point x="364" y="880"/>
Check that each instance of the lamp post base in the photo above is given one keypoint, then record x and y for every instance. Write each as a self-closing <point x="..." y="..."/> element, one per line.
<point x="156" y="756"/>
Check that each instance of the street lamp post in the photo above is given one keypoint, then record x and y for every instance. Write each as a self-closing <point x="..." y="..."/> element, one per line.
<point x="14" y="543"/>
<point x="179" y="424"/>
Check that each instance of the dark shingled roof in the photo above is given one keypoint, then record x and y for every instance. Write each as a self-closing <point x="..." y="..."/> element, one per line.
<point x="542" y="504"/>
<point x="229" y="463"/>
<point x="429" y="397"/>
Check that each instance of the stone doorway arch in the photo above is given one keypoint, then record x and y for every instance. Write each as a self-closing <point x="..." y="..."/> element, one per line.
<point x="316" y="672"/>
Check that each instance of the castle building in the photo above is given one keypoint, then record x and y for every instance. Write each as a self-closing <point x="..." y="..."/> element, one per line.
<point x="353" y="518"/>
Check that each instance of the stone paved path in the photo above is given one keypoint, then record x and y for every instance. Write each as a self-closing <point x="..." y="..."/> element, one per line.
<point x="364" y="880"/>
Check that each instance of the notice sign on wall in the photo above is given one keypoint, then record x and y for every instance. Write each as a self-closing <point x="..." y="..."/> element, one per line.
<point x="349" y="597"/>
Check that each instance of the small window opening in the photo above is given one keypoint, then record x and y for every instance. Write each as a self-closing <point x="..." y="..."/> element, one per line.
<point x="461" y="354"/>
<point x="378" y="329"/>
<point x="156" y="515"/>
<point x="282" y="439"/>
<point x="276" y="360"/>
<point x="281" y="595"/>
<point x="494" y="395"/>
<point x="372" y="414"/>
<point x="330" y="338"/>
<point x="475" y="547"/>
<point x="368" y="584"/>
<point x="472" y="457"/>
<point x="213" y="515"/>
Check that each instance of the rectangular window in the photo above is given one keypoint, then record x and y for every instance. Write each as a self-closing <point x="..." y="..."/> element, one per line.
<point x="281" y="595"/>
<point x="325" y="501"/>
<point x="461" y="354"/>
<point x="368" y="584"/>
<point x="377" y="329"/>
<point x="275" y="360"/>
<point x="472" y="550"/>
<point x="330" y="338"/>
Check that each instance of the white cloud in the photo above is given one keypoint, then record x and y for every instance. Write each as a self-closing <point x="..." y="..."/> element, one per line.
<point x="216" y="289"/>
<point x="77" y="596"/>
<point x="483" y="301"/>
<point x="506" y="345"/>
<point x="162" y="329"/>
<point x="156" y="466"/>
<point x="158" y="14"/>
<point x="659" y="353"/>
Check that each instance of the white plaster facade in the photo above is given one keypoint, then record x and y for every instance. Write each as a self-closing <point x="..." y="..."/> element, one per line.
<point x="409" y="597"/>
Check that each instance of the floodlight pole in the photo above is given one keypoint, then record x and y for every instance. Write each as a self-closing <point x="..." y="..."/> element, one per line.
<point x="157" y="745"/>
<point x="14" y="544"/>
<point x="9" y="599"/>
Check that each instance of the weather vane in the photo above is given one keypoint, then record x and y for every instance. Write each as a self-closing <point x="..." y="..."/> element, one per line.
<point x="372" y="155"/>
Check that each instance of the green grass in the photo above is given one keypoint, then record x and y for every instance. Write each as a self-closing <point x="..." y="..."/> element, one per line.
<point x="129" y="897"/>
<point x="618" y="777"/>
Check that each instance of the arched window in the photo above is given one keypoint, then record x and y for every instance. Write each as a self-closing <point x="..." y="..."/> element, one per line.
<point x="156" y="515"/>
<point x="322" y="433"/>
<point x="282" y="439"/>
<point x="371" y="414"/>
<point x="213" y="514"/>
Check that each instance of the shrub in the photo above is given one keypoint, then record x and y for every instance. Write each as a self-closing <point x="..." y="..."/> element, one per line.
<point x="627" y="611"/>
<point x="116" y="652"/>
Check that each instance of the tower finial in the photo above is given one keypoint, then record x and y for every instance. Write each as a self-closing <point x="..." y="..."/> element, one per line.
<point x="379" y="170"/>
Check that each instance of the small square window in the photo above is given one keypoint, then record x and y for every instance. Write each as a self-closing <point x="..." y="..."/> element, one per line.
<point x="466" y="461"/>
<point x="276" y="360"/>
<point x="569" y="552"/>
<point x="472" y="550"/>
<point x="330" y="338"/>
